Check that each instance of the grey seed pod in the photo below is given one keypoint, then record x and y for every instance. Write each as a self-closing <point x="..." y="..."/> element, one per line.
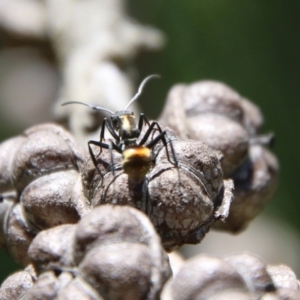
<point x="185" y="101"/>
<point x="18" y="235"/>
<point x="46" y="287"/>
<point x="38" y="173"/>
<point x="52" y="248"/>
<point x="242" y="276"/>
<point x="79" y="200"/>
<point x="282" y="294"/>
<point x="176" y="262"/>
<point x="120" y="278"/>
<point x="78" y="289"/>
<point x="6" y="205"/>
<point x="16" y="285"/>
<point x="283" y="277"/>
<point x="46" y="201"/>
<point x="255" y="183"/>
<point x="47" y="148"/>
<point x="253" y="119"/>
<point x="199" y="160"/>
<point x="217" y="115"/>
<point x="8" y="151"/>
<point x="253" y="270"/>
<point x="214" y="113"/>
<point x="113" y="249"/>
<point x="31" y="270"/>
<point x="230" y="295"/>
<point x="180" y="201"/>
<point x="116" y="225"/>
<point x="222" y="134"/>
<point x="204" y="276"/>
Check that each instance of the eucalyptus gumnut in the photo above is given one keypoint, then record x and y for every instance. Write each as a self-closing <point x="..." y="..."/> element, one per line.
<point x="183" y="194"/>
<point x="214" y="113"/>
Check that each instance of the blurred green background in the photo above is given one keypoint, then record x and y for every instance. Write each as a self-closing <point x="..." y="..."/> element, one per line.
<point x="253" y="46"/>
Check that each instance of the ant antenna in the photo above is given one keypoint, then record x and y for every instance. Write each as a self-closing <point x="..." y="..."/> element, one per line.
<point x="139" y="92"/>
<point x="91" y="106"/>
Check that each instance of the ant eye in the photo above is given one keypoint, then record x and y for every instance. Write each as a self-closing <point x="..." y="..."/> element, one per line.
<point x="114" y="121"/>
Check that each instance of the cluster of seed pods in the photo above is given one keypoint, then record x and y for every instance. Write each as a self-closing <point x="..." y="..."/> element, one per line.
<point x="111" y="253"/>
<point x="39" y="171"/>
<point x="214" y="113"/>
<point x="237" y="277"/>
<point x="44" y="183"/>
<point x="47" y="180"/>
<point x="181" y="201"/>
<point x="94" y="260"/>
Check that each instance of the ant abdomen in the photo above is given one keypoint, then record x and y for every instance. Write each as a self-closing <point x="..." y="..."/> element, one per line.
<point x="136" y="162"/>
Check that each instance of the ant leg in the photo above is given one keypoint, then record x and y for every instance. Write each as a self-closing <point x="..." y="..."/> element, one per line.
<point x="111" y="157"/>
<point x="101" y="145"/>
<point x="161" y="136"/>
<point x="169" y="140"/>
<point x="111" y="147"/>
<point x="176" y="164"/>
<point x="149" y="130"/>
<point x="107" y="124"/>
<point x="93" y="155"/>
<point x="143" y="120"/>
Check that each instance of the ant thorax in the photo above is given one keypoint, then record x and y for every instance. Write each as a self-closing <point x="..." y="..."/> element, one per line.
<point x="125" y="123"/>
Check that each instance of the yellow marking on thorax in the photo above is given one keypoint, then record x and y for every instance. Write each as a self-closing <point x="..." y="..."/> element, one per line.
<point x="127" y="122"/>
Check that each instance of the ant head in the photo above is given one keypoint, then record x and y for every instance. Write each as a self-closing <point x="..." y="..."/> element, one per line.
<point x="120" y="117"/>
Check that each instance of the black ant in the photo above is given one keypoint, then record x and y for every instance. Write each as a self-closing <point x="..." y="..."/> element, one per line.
<point x="137" y="156"/>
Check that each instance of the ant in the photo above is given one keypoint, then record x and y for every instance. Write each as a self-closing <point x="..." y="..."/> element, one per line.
<point x="137" y="156"/>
